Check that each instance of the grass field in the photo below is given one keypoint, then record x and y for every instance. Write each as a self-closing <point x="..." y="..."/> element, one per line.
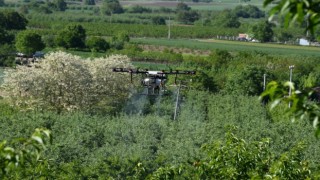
<point x="214" y="5"/>
<point x="232" y="46"/>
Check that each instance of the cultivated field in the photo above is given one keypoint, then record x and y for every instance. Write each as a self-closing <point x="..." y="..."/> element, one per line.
<point x="214" y="5"/>
<point x="233" y="46"/>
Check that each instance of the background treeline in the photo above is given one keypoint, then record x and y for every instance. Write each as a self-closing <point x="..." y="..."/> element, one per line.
<point x="185" y="19"/>
<point x="140" y="30"/>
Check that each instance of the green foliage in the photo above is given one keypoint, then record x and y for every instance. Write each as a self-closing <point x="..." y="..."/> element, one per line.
<point x="29" y="42"/>
<point x="220" y="58"/>
<point x="12" y="20"/>
<point x="112" y="7"/>
<point x="89" y="2"/>
<point x="119" y="40"/>
<point x="139" y="9"/>
<point x="40" y="7"/>
<point x="7" y="56"/>
<point x="248" y="81"/>
<point x="73" y="36"/>
<point x="248" y="11"/>
<point x="140" y="147"/>
<point x="21" y="152"/>
<point x="237" y="159"/>
<point x="227" y="19"/>
<point x="158" y="21"/>
<point x="121" y="36"/>
<point x="97" y="44"/>
<point x="187" y="17"/>
<point x="2" y="3"/>
<point x="300" y="11"/>
<point x="185" y="14"/>
<point x="301" y="107"/>
<point x="49" y="41"/>
<point x="60" y="5"/>
<point x="182" y="7"/>
<point x="262" y="31"/>
<point x="5" y="36"/>
<point x="23" y="9"/>
<point x="284" y="36"/>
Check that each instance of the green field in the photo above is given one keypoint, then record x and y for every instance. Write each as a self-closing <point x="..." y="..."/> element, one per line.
<point x="232" y="46"/>
<point x="214" y="5"/>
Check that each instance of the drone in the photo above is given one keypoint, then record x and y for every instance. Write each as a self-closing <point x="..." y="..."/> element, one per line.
<point x="154" y="81"/>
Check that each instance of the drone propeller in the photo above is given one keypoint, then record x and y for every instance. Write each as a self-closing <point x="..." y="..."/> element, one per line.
<point x="138" y="71"/>
<point x="177" y="72"/>
<point x="129" y="70"/>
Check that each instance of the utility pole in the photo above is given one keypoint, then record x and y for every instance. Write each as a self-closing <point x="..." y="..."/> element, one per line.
<point x="264" y="81"/>
<point x="177" y="103"/>
<point x="169" y="31"/>
<point x="290" y="79"/>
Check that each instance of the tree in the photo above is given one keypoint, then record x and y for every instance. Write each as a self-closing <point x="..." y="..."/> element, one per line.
<point x="139" y="9"/>
<point x="262" y="31"/>
<point x="64" y="82"/>
<point x="97" y="44"/>
<point x="248" y="81"/>
<point x="89" y="2"/>
<point x="187" y="17"/>
<point x="112" y="7"/>
<point x="158" y="20"/>
<point x="301" y="104"/>
<point x="24" y="9"/>
<point x="284" y="36"/>
<point x="60" y="5"/>
<point x="5" y="37"/>
<point x="29" y="42"/>
<point x="227" y="19"/>
<point x="182" y="7"/>
<point x="300" y="11"/>
<point x="12" y="20"/>
<point x="249" y="11"/>
<point x="7" y="56"/>
<point x="72" y="36"/>
<point x="119" y="40"/>
<point x="2" y="3"/>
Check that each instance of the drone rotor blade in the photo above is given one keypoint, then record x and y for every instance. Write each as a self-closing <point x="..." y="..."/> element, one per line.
<point x="178" y="72"/>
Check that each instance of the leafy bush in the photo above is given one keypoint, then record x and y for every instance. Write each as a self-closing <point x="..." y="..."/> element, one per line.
<point x="18" y="154"/>
<point x="249" y="81"/>
<point x="248" y="11"/>
<point x="97" y="44"/>
<point x="73" y="36"/>
<point x="7" y="56"/>
<point x="29" y="42"/>
<point x="237" y="159"/>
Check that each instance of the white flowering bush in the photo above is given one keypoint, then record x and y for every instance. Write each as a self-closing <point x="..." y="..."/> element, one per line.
<point x="62" y="81"/>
